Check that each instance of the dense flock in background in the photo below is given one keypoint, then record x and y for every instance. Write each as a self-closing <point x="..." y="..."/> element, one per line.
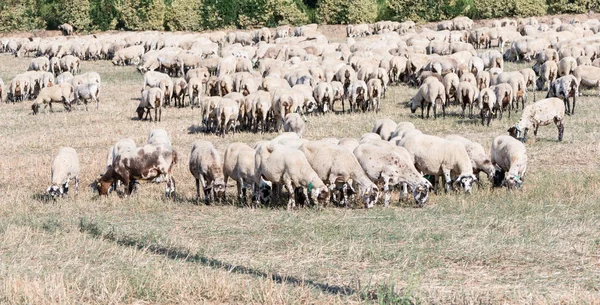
<point x="269" y="80"/>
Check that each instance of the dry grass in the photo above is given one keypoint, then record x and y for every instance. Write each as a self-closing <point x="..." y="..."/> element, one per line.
<point x="537" y="245"/>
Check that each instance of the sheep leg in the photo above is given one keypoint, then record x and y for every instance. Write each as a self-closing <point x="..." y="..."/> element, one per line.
<point x="76" y="185"/>
<point x="428" y="108"/>
<point x="197" y="190"/>
<point x="291" y="202"/>
<point x="448" y="181"/>
<point x="422" y="109"/>
<point x="470" y="111"/>
<point x="489" y="117"/>
<point x="561" y="128"/>
<point x="386" y="191"/>
<point x="567" y="105"/>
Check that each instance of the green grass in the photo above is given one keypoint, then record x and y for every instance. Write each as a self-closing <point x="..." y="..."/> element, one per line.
<point x="536" y="245"/>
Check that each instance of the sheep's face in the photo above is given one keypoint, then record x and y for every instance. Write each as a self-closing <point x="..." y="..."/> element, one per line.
<point x="55" y="191"/>
<point x="515" y="132"/>
<point x="103" y="187"/>
<point x="370" y="196"/>
<point x="421" y="194"/>
<point x="219" y="189"/>
<point x="466" y="181"/>
<point x="264" y="191"/>
<point x="513" y="181"/>
<point x="321" y="194"/>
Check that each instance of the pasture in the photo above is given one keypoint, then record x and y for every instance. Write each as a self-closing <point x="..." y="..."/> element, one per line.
<point x="540" y="244"/>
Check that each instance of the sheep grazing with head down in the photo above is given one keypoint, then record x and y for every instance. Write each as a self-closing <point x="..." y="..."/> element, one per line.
<point x="430" y="93"/>
<point x="565" y="87"/>
<point x="510" y="157"/>
<point x="541" y="113"/>
<point x="239" y="164"/>
<point x="207" y="168"/>
<point x="384" y="128"/>
<point x="65" y="166"/>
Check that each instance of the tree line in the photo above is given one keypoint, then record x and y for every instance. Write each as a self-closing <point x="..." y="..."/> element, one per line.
<point x="197" y="15"/>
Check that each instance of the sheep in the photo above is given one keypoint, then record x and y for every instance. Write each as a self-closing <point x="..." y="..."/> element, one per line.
<point x="19" y="89"/>
<point x="530" y="78"/>
<point x="194" y="89"/>
<point x="566" y="65"/>
<point x="294" y="123"/>
<point x="56" y="94"/>
<point x="86" y="92"/>
<point x="384" y="128"/>
<point x="384" y="166"/>
<point x="115" y="150"/>
<point x="466" y="94"/>
<point x="179" y="90"/>
<point x="519" y="87"/>
<point x="130" y="55"/>
<point x="207" y="168"/>
<point x="510" y="156"/>
<point x="228" y="111"/>
<point x="65" y="166"/>
<point x="238" y="163"/>
<point x="357" y="93"/>
<point x="450" y="83"/>
<point x="504" y="97"/>
<point x="483" y="80"/>
<point x="89" y="77"/>
<point x="436" y="156"/>
<point x="430" y="93"/>
<point x="70" y="63"/>
<point x="565" y="87"/>
<point x="588" y="76"/>
<point x="401" y="128"/>
<point x="548" y="72"/>
<point x="66" y="29"/>
<point x="152" y="98"/>
<point x="479" y="159"/>
<point x="142" y="163"/>
<point x="39" y="64"/>
<point x="158" y="136"/>
<point x="337" y="165"/>
<point x="323" y="95"/>
<point x="374" y="91"/>
<point x="65" y="77"/>
<point x="487" y="104"/>
<point x="541" y="113"/>
<point x="290" y="168"/>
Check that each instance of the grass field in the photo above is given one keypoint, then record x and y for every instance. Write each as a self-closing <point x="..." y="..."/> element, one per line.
<point x="537" y="245"/>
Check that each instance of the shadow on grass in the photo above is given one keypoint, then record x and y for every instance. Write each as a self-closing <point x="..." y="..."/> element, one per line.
<point x="93" y="229"/>
<point x="43" y="197"/>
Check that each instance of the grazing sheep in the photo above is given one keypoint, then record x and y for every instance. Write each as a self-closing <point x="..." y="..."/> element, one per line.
<point x="227" y="111"/>
<point x="431" y="92"/>
<point x="384" y="128"/>
<point x="565" y="87"/>
<point x="65" y="166"/>
<point x="374" y="92"/>
<point x="504" y="97"/>
<point x="56" y="94"/>
<point x="466" y="94"/>
<point x="65" y="77"/>
<point x="510" y="156"/>
<point x="115" y="150"/>
<point x="290" y="168"/>
<point x="152" y="98"/>
<point x="566" y="65"/>
<point x="588" y="76"/>
<point x="238" y="163"/>
<point x="143" y="163"/>
<point x="385" y="166"/>
<point x="548" y="72"/>
<point x="87" y="92"/>
<point x="294" y="123"/>
<point x="487" y="104"/>
<point x="179" y="90"/>
<point x="519" y="87"/>
<point x="450" y="83"/>
<point x="336" y="165"/>
<point x="479" y="159"/>
<point x="39" y="64"/>
<point x="206" y="167"/>
<point x="436" y="156"/>
<point x="541" y="113"/>
<point x="158" y="136"/>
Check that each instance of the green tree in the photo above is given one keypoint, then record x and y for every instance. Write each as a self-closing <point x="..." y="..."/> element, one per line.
<point x="76" y="13"/>
<point x="20" y="15"/>
<point x="346" y="11"/>
<point x="140" y="14"/>
<point x="103" y="14"/>
<point x="184" y="15"/>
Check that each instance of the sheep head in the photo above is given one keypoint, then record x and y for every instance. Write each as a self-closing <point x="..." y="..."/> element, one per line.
<point x="465" y="181"/>
<point x="513" y="181"/>
<point x="321" y="193"/>
<point x="370" y="195"/>
<point x="56" y="190"/>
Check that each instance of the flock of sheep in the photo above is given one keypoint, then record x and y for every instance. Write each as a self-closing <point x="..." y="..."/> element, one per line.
<point x="266" y="79"/>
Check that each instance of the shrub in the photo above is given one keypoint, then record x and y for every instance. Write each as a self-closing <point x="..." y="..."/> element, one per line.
<point x="140" y="14"/>
<point x="20" y="15"/>
<point x="347" y="11"/>
<point x="572" y="7"/>
<point x="526" y="8"/>
<point x="103" y="14"/>
<point x="76" y="13"/>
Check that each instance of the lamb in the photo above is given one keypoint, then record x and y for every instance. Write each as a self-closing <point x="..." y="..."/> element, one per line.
<point x="294" y="123"/>
<point x="65" y="166"/>
<point x="384" y="128"/>
<point x="479" y="159"/>
<point x="541" y="113"/>
<point x="207" y="169"/>
<point x="337" y="165"/>
<point x="87" y="92"/>
<point x="70" y="63"/>
<point x="565" y="87"/>
<point x="152" y="98"/>
<point x="548" y="73"/>
<point x="430" y="93"/>
<point x="510" y="156"/>
<point x="290" y="168"/>
<point x="238" y="163"/>
<point x="436" y="156"/>
<point x="466" y="94"/>
<point x="115" y="150"/>
<point x="487" y="104"/>
<point x="588" y="76"/>
<point x="384" y="166"/>
<point x="143" y="163"/>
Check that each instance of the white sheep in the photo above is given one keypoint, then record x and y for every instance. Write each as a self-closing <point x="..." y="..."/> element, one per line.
<point x="86" y="92"/>
<point x="479" y="159"/>
<point x="158" y="136"/>
<point x="239" y="164"/>
<point x="152" y="98"/>
<point x="510" y="156"/>
<point x="541" y="113"/>
<point x="487" y="104"/>
<point x="207" y="168"/>
<point x="384" y="128"/>
<point x="385" y="166"/>
<point x="337" y="165"/>
<point x="294" y="123"/>
<point x="565" y="87"/>
<point x="430" y="93"/>
<point x="290" y="168"/>
<point x="65" y="166"/>
<point x="436" y="156"/>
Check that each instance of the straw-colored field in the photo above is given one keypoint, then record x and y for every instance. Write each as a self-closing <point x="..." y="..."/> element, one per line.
<point x="537" y="245"/>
